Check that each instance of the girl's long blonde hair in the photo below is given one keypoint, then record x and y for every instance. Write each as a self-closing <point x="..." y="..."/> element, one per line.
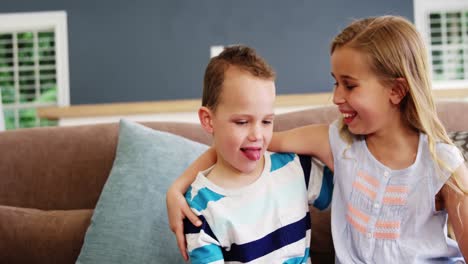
<point x="396" y="50"/>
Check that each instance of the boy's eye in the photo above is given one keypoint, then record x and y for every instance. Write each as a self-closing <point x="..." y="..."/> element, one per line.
<point x="240" y="122"/>
<point x="267" y="122"/>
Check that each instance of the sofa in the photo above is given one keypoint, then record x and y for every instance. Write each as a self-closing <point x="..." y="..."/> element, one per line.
<point x="51" y="180"/>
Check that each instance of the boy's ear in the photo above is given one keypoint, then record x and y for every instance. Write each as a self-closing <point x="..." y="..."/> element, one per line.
<point x="398" y="90"/>
<point x="206" y="119"/>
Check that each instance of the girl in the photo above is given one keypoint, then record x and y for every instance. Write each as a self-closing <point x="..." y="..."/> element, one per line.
<point x="397" y="174"/>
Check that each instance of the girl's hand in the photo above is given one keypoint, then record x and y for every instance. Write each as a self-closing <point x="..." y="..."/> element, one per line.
<point x="177" y="210"/>
<point x="177" y="207"/>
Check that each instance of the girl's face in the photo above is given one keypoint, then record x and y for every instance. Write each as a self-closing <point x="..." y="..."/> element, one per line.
<point x="363" y="101"/>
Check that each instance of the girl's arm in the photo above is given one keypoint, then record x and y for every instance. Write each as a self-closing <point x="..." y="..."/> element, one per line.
<point x="177" y="207"/>
<point x="456" y="204"/>
<point x="309" y="140"/>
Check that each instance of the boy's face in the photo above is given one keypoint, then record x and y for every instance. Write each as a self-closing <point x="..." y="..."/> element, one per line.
<point x="243" y="122"/>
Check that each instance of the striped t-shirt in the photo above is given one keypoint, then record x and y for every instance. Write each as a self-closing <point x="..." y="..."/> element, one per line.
<point x="265" y="222"/>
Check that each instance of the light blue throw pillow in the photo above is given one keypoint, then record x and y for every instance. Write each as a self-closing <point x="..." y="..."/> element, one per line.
<point x="129" y="224"/>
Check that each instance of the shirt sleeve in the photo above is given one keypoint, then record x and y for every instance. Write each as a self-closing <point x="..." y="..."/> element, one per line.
<point x="202" y="245"/>
<point x="319" y="182"/>
<point x="451" y="159"/>
<point x="338" y="145"/>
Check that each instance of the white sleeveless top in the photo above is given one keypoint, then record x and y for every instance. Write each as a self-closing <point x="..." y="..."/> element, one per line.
<point x="380" y="215"/>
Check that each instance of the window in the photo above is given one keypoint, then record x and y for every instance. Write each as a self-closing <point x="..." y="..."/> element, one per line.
<point x="33" y="66"/>
<point x="444" y="26"/>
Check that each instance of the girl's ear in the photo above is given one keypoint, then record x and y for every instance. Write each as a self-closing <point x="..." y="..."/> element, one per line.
<point x="206" y="119"/>
<point x="398" y="90"/>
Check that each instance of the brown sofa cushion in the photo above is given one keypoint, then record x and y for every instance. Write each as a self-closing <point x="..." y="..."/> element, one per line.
<point x="321" y="244"/>
<point x="65" y="168"/>
<point x="37" y="236"/>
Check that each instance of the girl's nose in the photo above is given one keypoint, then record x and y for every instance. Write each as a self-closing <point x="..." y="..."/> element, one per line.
<point x="338" y="95"/>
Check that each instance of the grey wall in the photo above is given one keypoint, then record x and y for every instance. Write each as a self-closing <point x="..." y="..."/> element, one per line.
<point x="145" y="50"/>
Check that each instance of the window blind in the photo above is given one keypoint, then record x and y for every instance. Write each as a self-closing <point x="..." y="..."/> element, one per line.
<point x="449" y="45"/>
<point x="27" y="76"/>
<point x="33" y="66"/>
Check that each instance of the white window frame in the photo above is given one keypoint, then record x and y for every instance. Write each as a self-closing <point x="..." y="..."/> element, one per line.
<point x="2" y="119"/>
<point x="422" y="8"/>
<point x="55" y="21"/>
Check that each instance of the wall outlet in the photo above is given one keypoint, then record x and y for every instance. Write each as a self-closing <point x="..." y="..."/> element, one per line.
<point x="215" y="50"/>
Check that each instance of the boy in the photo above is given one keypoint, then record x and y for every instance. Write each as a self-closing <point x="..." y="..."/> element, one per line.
<point x="253" y="204"/>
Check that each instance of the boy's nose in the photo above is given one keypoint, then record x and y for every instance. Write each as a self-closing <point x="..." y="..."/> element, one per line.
<point x="255" y="133"/>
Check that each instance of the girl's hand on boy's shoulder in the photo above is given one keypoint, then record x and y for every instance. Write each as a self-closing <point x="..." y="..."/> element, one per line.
<point x="177" y="210"/>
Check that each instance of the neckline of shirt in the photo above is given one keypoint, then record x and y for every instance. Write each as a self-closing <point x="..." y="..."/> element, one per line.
<point x="393" y="172"/>
<point x="253" y="187"/>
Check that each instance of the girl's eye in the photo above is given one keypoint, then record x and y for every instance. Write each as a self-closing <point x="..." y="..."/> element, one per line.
<point x="267" y="122"/>
<point x="349" y="85"/>
<point x="240" y="122"/>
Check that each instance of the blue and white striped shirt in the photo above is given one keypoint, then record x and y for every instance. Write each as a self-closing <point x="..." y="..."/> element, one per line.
<point x="267" y="221"/>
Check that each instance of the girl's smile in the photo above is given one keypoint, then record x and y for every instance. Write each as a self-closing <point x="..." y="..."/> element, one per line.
<point x="348" y="116"/>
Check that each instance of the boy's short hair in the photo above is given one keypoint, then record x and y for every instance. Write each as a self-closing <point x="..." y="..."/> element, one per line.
<point x="243" y="57"/>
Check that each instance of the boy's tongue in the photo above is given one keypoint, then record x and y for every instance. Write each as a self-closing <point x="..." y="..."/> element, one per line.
<point x="252" y="154"/>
